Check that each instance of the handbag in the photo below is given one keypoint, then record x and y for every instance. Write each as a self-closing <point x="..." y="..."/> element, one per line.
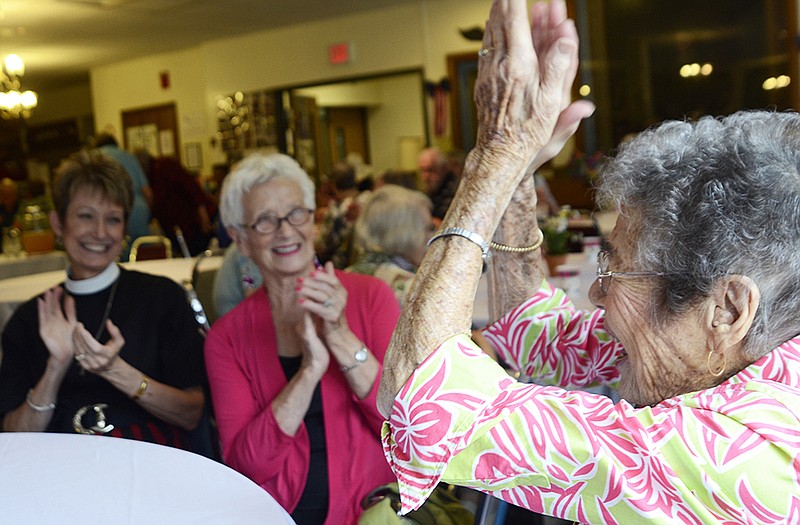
<point x="441" y="508"/>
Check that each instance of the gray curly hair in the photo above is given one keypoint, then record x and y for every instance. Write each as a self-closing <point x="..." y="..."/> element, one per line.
<point x="713" y="197"/>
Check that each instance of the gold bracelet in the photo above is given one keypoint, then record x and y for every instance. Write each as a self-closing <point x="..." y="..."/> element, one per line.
<point x="142" y="388"/>
<point x="515" y="249"/>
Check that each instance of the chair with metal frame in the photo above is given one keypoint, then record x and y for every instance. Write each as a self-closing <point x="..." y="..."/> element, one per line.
<point x="149" y="247"/>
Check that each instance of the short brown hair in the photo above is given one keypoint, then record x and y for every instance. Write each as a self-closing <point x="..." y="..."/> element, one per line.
<point x="91" y="169"/>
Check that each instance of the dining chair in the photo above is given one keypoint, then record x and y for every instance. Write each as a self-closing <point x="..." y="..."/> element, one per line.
<point x="150" y="247"/>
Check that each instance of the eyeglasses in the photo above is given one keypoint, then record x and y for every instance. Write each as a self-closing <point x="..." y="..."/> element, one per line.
<point x="604" y="275"/>
<point x="270" y="223"/>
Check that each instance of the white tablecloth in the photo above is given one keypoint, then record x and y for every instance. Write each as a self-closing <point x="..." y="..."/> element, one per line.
<point x="66" y="478"/>
<point x="24" y="264"/>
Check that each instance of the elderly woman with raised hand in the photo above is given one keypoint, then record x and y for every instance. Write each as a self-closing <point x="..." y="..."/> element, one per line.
<point x="294" y="367"/>
<point x="697" y="299"/>
<point x="390" y="236"/>
<point x="110" y="351"/>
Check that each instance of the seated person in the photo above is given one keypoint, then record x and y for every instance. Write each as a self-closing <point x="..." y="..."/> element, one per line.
<point x="697" y="297"/>
<point x="110" y="351"/>
<point x="294" y="367"/>
<point x="237" y="277"/>
<point x="390" y="236"/>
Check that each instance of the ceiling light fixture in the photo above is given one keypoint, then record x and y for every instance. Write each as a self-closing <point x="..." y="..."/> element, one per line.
<point x="15" y="103"/>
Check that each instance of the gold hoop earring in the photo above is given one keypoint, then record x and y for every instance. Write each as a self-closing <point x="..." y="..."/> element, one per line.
<point x="721" y="369"/>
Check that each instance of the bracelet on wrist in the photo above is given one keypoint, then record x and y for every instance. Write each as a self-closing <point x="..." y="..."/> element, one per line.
<point x="142" y="388"/>
<point x="469" y="235"/>
<point x="519" y="249"/>
<point x="39" y="408"/>
<point x="485" y="246"/>
<point x="359" y="357"/>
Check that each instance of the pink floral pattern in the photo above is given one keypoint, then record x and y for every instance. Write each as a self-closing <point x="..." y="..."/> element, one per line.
<point x="729" y="454"/>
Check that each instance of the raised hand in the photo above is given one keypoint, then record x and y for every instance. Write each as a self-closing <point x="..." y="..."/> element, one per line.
<point x="56" y="325"/>
<point x="323" y="295"/>
<point x="315" y="355"/>
<point x="91" y="354"/>
<point x="524" y="80"/>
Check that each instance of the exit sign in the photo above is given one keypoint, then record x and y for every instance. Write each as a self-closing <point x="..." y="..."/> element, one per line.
<point x="340" y="53"/>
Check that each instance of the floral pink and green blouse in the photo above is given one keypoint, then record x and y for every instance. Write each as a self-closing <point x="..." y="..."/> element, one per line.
<point x="729" y="454"/>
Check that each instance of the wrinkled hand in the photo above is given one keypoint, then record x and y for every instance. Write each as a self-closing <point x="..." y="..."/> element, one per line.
<point x="93" y="356"/>
<point x="323" y="295"/>
<point x="315" y="354"/>
<point x="523" y="85"/>
<point x="56" y="326"/>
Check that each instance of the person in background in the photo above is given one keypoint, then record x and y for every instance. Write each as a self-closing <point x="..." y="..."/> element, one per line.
<point x="404" y="178"/>
<point x="440" y="183"/>
<point x="9" y="203"/>
<point x="179" y="201"/>
<point x="390" y="236"/>
<point x="110" y="351"/>
<point x="546" y="203"/>
<point x="294" y="367"/>
<point x="139" y="220"/>
<point x="697" y="297"/>
<point x="335" y="240"/>
<point x="237" y="277"/>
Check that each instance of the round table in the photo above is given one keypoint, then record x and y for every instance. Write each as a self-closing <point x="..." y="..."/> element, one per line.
<point x="71" y="478"/>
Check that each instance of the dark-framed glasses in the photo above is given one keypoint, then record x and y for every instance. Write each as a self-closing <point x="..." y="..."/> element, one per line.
<point x="272" y="223"/>
<point x="604" y="275"/>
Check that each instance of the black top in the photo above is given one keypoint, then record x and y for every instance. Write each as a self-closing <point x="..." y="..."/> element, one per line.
<point x="313" y="505"/>
<point x="161" y="340"/>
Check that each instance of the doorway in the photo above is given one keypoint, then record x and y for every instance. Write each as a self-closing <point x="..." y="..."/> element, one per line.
<point x="347" y="133"/>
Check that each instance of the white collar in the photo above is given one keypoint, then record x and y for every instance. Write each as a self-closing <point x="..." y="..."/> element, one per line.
<point x="94" y="284"/>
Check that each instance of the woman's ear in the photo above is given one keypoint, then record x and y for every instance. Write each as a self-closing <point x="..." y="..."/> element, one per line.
<point x="737" y="299"/>
<point x="238" y="238"/>
<point x="55" y="224"/>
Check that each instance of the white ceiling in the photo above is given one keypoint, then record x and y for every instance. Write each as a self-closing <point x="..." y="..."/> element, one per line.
<point x="59" y="40"/>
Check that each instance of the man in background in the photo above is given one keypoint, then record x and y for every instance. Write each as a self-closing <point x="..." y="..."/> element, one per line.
<point x="440" y="183"/>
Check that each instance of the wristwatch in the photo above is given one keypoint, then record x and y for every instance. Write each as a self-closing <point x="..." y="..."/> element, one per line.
<point x="360" y="357"/>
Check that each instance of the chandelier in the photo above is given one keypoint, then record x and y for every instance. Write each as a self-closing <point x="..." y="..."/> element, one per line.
<point x="13" y="102"/>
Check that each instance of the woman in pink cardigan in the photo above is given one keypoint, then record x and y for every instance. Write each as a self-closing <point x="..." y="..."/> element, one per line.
<point x="294" y="368"/>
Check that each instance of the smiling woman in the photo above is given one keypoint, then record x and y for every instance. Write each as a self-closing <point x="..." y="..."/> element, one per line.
<point x="295" y="365"/>
<point x="110" y="351"/>
<point x="696" y="314"/>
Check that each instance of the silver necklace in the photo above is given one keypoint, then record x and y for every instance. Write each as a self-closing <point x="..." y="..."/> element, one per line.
<point x="110" y="301"/>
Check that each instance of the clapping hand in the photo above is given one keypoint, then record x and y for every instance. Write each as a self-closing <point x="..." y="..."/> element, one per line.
<point x="91" y="354"/>
<point x="56" y="325"/>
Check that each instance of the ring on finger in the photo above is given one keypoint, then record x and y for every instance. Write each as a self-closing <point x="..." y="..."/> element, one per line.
<point x="327" y="303"/>
<point x="80" y="357"/>
<point x="485" y="51"/>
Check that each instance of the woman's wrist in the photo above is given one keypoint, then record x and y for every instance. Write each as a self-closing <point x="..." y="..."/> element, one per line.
<point x="491" y="180"/>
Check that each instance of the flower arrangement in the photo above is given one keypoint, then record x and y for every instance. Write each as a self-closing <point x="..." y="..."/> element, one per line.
<point x="556" y="235"/>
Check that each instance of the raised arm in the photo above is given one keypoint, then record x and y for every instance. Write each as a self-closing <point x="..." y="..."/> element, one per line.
<point x="525" y="115"/>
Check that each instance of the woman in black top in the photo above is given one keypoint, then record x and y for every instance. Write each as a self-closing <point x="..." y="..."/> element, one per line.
<point x="110" y="351"/>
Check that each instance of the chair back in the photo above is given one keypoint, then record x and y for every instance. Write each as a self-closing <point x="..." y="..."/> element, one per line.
<point x="149" y="247"/>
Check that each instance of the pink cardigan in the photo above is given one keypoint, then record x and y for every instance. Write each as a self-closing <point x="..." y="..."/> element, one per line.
<point x="245" y="375"/>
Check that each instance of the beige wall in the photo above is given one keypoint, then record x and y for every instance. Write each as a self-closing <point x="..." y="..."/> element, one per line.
<point x="417" y="35"/>
<point x="394" y="111"/>
<point x="420" y="34"/>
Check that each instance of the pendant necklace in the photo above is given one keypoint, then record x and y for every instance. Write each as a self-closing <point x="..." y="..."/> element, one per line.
<point x="102" y="327"/>
<point x="110" y="301"/>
